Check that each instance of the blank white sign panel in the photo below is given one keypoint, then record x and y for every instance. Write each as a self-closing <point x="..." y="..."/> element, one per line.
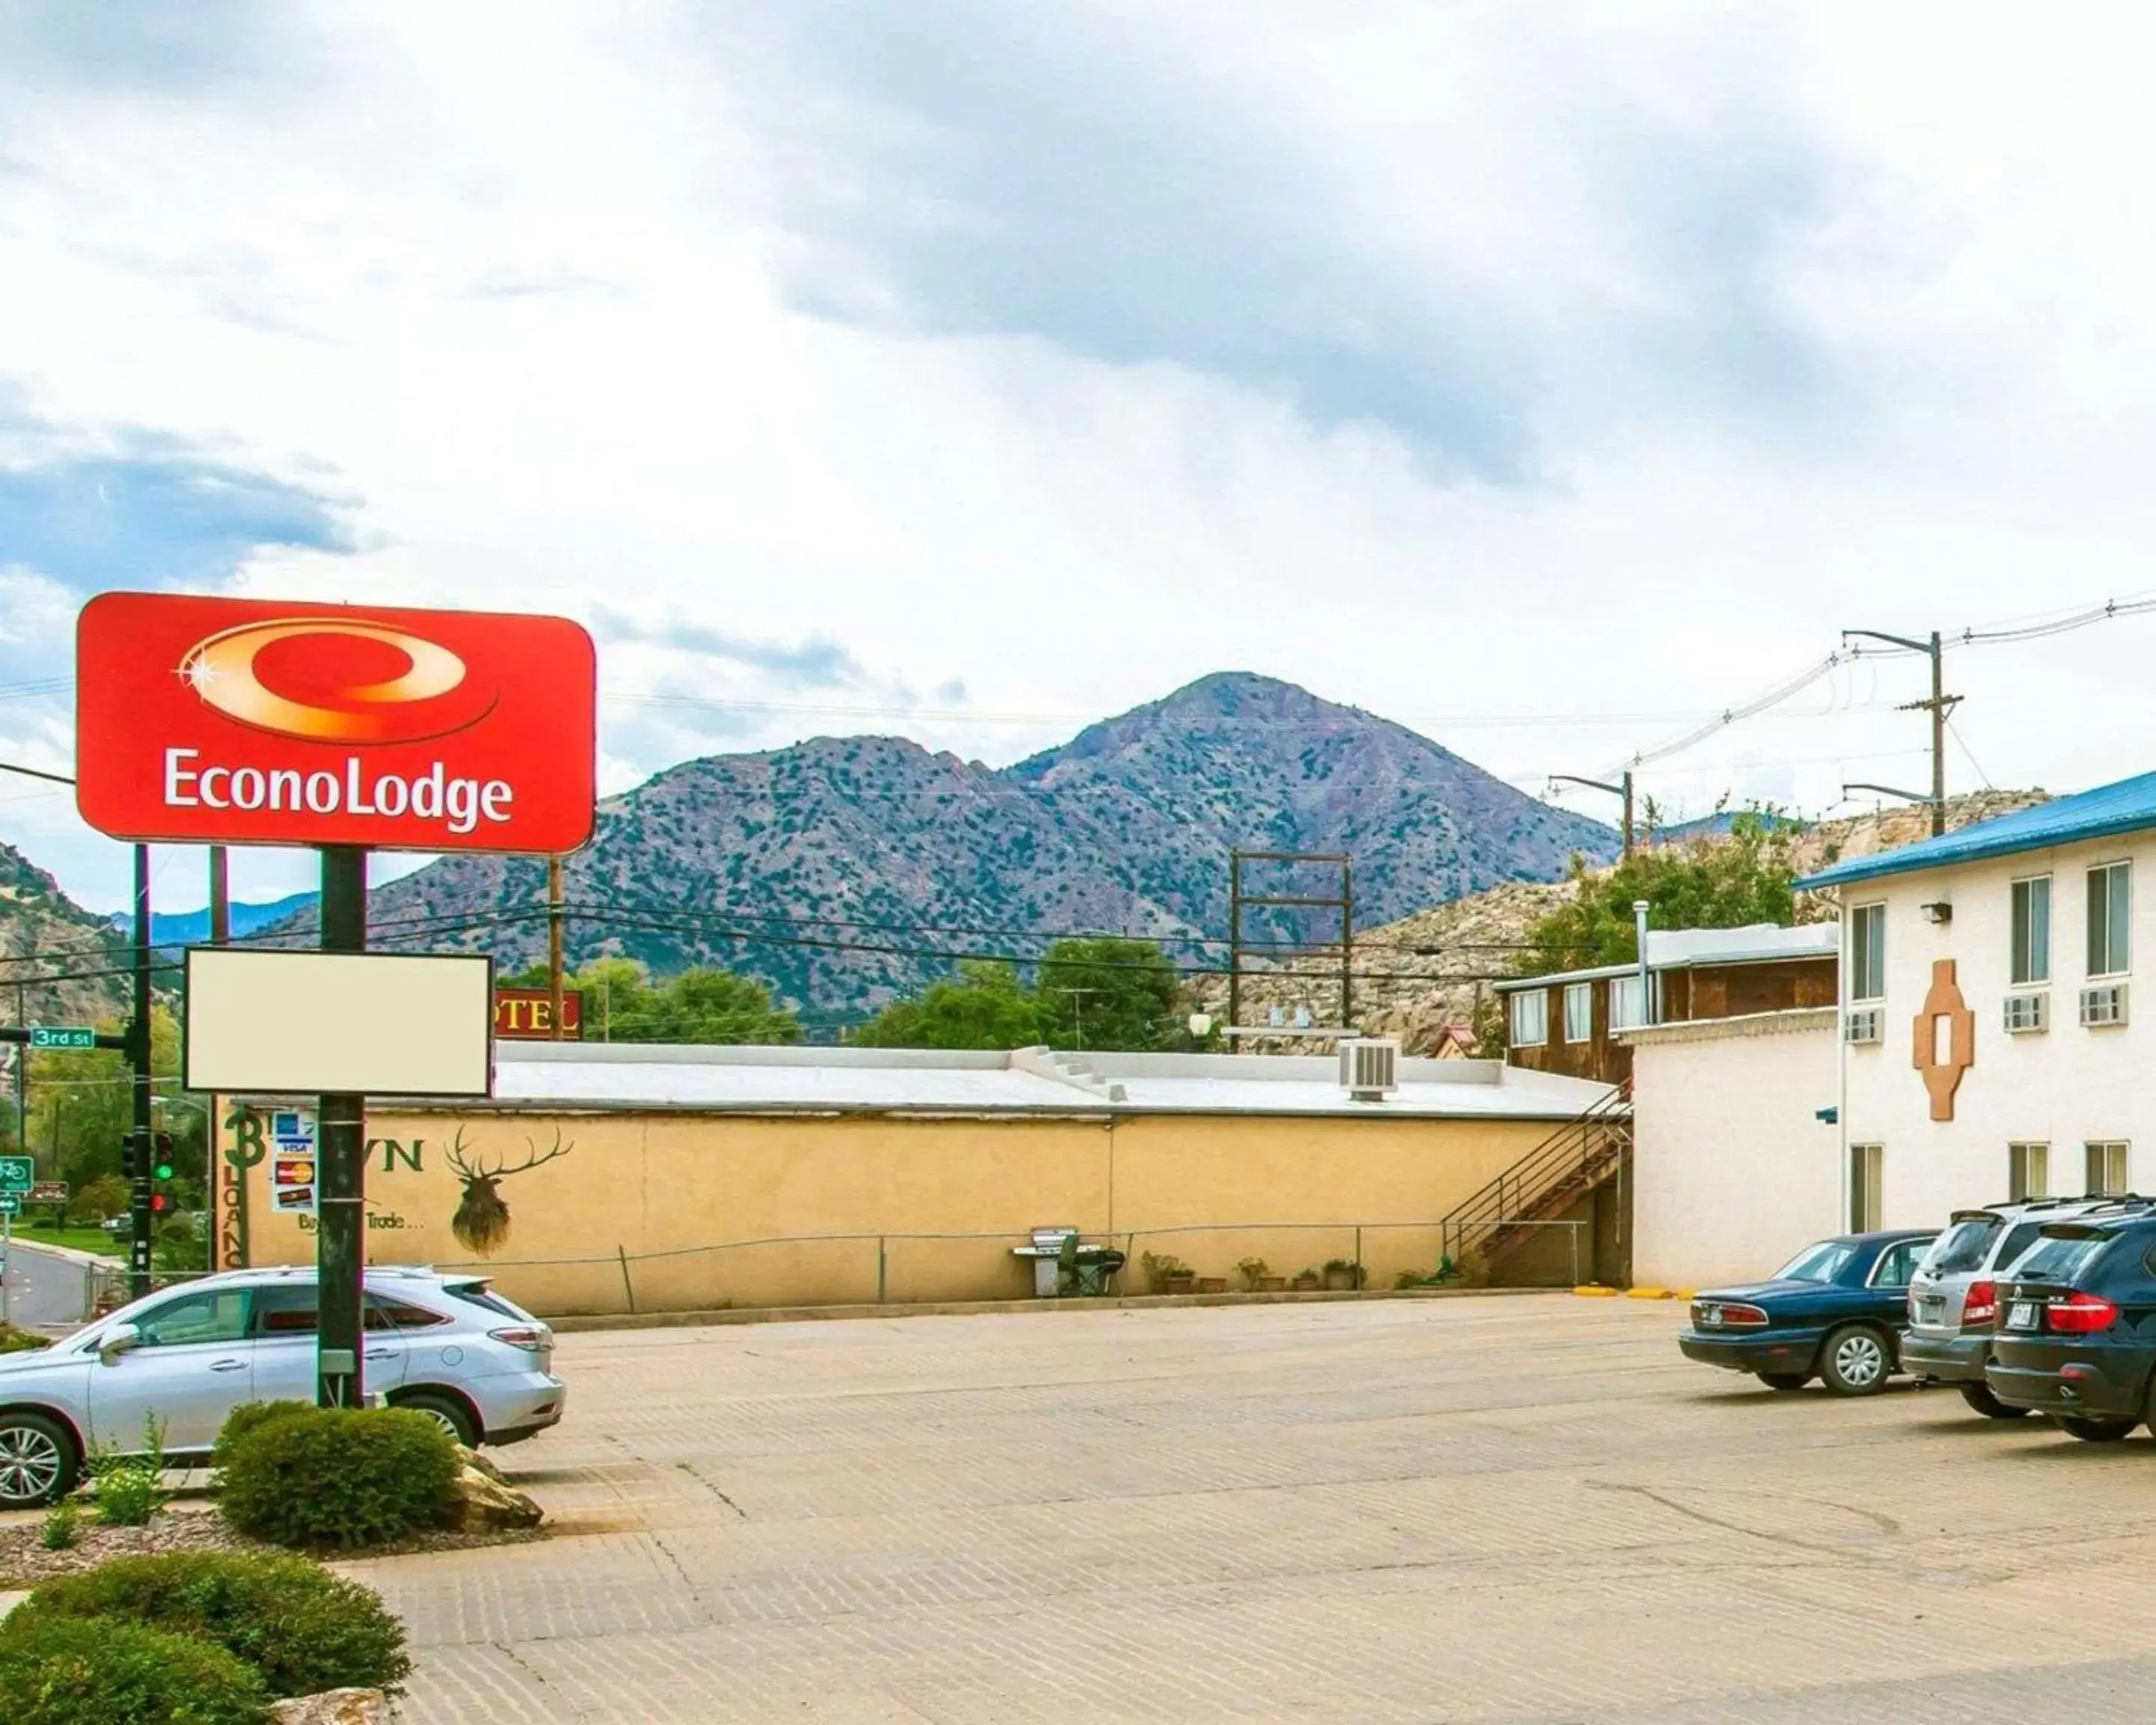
<point x="372" y="1023"/>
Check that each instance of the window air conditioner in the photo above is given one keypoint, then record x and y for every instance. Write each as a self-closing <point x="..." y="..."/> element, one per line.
<point x="2028" y="1013"/>
<point x="1862" y="1024"/>
<point x="2103" y="1005"/>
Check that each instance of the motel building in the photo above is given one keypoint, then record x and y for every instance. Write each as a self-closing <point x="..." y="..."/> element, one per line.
<point x="1990" y="1044"/>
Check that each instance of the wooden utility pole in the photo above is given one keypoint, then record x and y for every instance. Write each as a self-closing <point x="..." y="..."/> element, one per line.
<point x="1938" y="706"/>
<point x="1622" y="788"/>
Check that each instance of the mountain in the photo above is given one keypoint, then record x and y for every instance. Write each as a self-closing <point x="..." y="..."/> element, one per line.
<point x="37" y="917"/>
<point x="864" y="865"/>
<point x="186" y="928"/>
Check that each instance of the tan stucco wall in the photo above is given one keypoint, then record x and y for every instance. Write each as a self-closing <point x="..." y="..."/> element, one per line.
<point x="685" y="1196"/>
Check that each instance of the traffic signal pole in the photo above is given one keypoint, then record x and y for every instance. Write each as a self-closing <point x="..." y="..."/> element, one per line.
<point x="340" y="1172"/>
<point x="139" y="1150"/>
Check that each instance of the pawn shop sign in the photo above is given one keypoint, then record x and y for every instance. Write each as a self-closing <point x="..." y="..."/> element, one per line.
<point x="247" y="722"/>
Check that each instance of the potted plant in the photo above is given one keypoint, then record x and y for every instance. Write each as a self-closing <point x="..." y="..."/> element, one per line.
<point x="1308" y="1281"/>
<point x="1164" y="1272"/>
<point x="1254" y="1270"/>
<point x="1212" y="1284"/>
<point x="1342" y="1276"/>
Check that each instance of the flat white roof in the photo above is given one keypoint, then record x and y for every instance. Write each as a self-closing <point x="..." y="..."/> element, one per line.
<point x="1696" y="948"/>
<point x="764" y="1079"/>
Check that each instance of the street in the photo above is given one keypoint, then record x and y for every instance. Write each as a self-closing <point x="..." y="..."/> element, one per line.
<point x="1519" y="1509"/>
<point x="44" y="1290"/>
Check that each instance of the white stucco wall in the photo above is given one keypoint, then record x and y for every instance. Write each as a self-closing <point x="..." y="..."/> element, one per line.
<point x="2064" y="1087"/>
<point x="1733" y="1169"/>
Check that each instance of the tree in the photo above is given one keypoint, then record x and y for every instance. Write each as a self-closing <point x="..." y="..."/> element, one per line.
<point x="1103" y="992"/>
<point x="1744" y="877"/>
<point x="82" y="1108"/>
<point x="701" y="1004"/>
<point x="984" y="1006"/>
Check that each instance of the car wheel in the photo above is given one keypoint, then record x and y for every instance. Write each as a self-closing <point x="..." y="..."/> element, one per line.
<point x="1785" y="1380"/>
<point x="446" y="1411"/>
<point x="2093" y="1431"/>
<point x="37" y="1461"/>
<point x="1855" y="1360"/>
<point x="1981" y="1400"/>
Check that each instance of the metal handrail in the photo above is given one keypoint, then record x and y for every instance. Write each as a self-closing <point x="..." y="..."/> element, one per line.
<point x="1572" y="1149"/>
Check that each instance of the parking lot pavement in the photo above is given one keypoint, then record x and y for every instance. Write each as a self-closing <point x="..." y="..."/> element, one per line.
<point x="1486" y="1509"/>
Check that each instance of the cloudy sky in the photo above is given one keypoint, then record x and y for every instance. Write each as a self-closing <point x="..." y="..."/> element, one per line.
<point x="1545" y="377"/>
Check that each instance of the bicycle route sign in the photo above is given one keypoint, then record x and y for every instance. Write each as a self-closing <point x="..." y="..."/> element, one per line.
<point x="18" y="1175"/>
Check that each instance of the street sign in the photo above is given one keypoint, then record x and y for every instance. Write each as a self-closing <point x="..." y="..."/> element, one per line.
<point x="47" y="1191"/>
<point x="11" y="1204"/>
<point x="18" y="1173"/>
<point x="62" y="1036"/>
<point x="254" y="722"/>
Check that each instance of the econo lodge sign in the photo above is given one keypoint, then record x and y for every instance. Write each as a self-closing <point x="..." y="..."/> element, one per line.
<point x="247" y="722"/>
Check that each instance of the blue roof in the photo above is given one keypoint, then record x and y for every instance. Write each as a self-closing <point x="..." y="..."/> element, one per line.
<point x="2128" y="807"/>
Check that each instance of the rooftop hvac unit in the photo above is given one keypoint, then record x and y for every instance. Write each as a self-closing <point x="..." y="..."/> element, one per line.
<point x="1369" y="1067"/>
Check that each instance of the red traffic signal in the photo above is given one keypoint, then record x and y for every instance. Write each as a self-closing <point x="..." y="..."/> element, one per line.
<point x="159" y="1203"/>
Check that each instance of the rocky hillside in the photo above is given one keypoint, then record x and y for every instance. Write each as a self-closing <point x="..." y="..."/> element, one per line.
<point x="861" y="866"/>
<point x="1412" y="977"/>
<point x="37" y="917"/>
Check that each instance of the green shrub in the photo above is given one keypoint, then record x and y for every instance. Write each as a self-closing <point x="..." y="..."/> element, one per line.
<point x="15" y="1341"/>
<point x="130" y="1490"/>
<point x="339" y="1476"/>
<point x="58" y="1531"/>
<point x="100" y="1671"/>
<point x="244" y="1419"/>
<point x="302" y="1628"/>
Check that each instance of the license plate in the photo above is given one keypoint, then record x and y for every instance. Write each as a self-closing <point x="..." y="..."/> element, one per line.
<point x="1933" y="1311"/>
<point x="2021" y="1315"/>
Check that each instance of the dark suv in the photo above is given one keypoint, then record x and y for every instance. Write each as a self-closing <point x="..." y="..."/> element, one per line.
<point x="2077" y="1335"/>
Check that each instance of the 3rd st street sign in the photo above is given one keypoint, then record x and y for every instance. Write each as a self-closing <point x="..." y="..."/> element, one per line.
<point x="253" y="722"/>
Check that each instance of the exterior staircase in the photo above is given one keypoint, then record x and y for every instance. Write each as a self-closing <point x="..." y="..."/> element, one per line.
<point x="1579" y="1156"/>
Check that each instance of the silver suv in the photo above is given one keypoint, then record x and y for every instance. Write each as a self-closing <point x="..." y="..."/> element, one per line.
<point x="1953" y="1297"/>
<point x="181" y="1360"/>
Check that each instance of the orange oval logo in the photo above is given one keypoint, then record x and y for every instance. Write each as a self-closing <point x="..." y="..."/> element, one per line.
<point x="328" y="679"/>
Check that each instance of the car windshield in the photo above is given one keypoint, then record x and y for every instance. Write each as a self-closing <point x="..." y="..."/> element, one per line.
<point x="1817" y="1263"/>
<point x="2059" y="1257"/>
<point x="1961" y="1247"/>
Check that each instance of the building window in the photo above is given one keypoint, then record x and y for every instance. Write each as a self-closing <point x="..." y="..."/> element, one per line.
<point x="1867" y="952"/>
<point x="2110" y="907"/>
<point x="2032" y="930"/>
<point x="2028" y="1171"/>
<point x="1865" y="1208"/>
<point x="1530" y="1018"/>
<point x="1579" y="1012"/>
<point x="1624" y="1014"/>
<point x="2106" y="1168"/>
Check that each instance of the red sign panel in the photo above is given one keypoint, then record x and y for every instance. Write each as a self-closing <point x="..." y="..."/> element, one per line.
<point x="246" y="721"/>
<point x="527" y="1014"/>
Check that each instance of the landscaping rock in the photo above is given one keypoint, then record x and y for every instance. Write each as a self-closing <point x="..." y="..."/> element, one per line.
<point x="335" y="1707"/>
<point x="486" y="1505"/>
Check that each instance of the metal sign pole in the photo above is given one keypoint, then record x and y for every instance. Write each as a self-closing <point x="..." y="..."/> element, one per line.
<point x="6" y="1254"/>
<point x="138" y="1036"/>
<point x="340" y="1171"/>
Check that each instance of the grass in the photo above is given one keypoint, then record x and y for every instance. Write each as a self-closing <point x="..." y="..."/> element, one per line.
<point x="80" y="1236"/>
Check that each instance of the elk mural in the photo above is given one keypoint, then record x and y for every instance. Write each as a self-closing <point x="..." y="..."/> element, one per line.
<point x="482" y="1219"/>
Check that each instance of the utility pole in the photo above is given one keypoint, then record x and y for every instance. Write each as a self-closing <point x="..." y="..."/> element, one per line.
<point x="1623" y="789"/>
<point x="554" y="940"/>
<point x="1939" y="706"/>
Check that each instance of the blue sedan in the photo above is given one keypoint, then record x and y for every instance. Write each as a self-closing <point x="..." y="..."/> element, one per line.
<point x="1834" y="1311"/>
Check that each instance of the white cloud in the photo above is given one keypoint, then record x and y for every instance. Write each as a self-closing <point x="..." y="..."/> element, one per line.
<point x="1458" y="363"/>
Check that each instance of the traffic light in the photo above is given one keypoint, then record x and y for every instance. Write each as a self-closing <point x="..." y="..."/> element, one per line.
<point x="161" y="1169"/>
